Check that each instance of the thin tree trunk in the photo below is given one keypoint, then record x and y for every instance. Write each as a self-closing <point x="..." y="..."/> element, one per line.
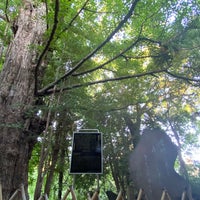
<point x="17" y="83"/>
<point x="60" y="185"/>
<point x="43" y="155"/>
<point x="61" y="175"/>
<point x="50" y="175"/>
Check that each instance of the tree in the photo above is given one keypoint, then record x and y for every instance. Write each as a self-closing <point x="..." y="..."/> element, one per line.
<point x="56" y="47"/>
<point x="17" y="98"/>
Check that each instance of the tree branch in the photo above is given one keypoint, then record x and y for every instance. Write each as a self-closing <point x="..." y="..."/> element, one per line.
<point x="80" y="63"/>
<point x="140" y="57"/>
<point x="107" y="62"/>
<point x="6" y="8"/>
<point x="98" y="12"/>
<point x="47" y="45"/>
<point x="50" y="91"/>
<point x="117" y="56"/>
<point x="74" y="18"/>
<point x="189" y="80"/>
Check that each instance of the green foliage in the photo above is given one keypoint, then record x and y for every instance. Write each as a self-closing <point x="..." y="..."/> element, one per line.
<point x="157" y="46"/>
<point x="33" y="164"/>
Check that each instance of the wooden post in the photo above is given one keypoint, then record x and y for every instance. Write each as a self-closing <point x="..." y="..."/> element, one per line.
<point x="70" y="190"/>
<point x="14" y="194"/>
<point x="23" y="192"/>
<point x="1" y="197"/>
<point x="119" y="197"/>
<point x="95" y="196"/>
<point x="73" y="193"/>
<point x="163" y="195"/>
<point x="66" y="194"/>
<point x="46" y="197"/>
<point x="41" y="197"/>
<point x="140" y="194"/>
<point x="183" y="197"/>
<point x="169" y="198"/>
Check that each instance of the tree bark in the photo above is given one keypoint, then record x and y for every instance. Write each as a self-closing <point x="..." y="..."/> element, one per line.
<point x="50" y="175"/>
<point x="17" y="84"/>
<point x="61" y="174"/>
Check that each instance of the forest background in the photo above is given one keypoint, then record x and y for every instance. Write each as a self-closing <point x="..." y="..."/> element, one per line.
<point x="117" y="66"/>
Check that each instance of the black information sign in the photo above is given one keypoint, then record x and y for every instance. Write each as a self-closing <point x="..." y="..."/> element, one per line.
<point x="87" y="155"/>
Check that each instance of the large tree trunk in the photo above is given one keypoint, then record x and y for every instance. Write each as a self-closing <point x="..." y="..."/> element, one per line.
<point x="17" y="84"/>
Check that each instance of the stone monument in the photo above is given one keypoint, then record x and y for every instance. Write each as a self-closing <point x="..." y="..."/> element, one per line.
<point x="152" y="166"/>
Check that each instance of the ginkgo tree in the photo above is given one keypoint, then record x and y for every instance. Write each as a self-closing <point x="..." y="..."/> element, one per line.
<point x="56" y="53"/>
